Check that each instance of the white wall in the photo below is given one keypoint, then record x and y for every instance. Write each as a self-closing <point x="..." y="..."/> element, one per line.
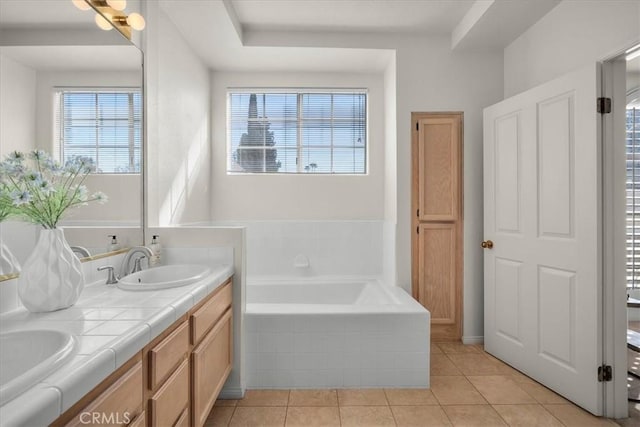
<point x="390" y="175"/>
<point x="178" y="114"/>
<point x="124" y="191"/>
<point x="17" y="106"/>
<point x="432" y="78"/>
<point x="573" y="34"/>
<point x="298" y="197"/>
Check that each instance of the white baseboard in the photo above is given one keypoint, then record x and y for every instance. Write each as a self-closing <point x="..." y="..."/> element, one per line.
<point x="231" y="393"/>
<point x="473" y="340"/>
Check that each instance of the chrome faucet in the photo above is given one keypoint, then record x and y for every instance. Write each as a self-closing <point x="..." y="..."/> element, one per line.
<point x="111" y="276"/>
<point x="125" y="268"/>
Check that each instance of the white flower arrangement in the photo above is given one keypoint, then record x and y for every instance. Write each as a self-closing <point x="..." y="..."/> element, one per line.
<point x="43" y="192"/>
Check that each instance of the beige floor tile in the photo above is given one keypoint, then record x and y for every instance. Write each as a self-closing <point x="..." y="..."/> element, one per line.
<point x="435" y="349"/>
<point x="369" y="416"/>
<point x="265" y="398"/>
<point x="219" y="416"/>
<point x="473" y="415"/>
<point x="258" y="417"/>
<point x="475" y="364"/>
<point x="313" y="416"/>
<point x="527" y="416"/>
<point x="570" y="415"/>
<point x="226" y="402"/>
<point x="362" y="397"/>
<point x="519" y="377"/>
<point x="442" y="365"/>
<point x="410" y="396"/>
<point x="419" y="416"/>
<point x="456" y="348"/>
<point x="634" y="416"/>
<point x="313" y="398"/>
<point x="542" y="394"/>
<point x="455" y="391"/>
<point x="499" y="389"/>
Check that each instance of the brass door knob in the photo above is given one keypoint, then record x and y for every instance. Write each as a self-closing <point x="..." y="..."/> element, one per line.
<point x="487" y="244"/>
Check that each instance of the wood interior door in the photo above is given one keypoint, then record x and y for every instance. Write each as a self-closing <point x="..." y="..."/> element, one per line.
<point x="437" y="220"/>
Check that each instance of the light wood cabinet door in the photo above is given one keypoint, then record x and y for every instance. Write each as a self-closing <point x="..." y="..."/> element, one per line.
<point x="211" y="364"/>
<point x="116" y="406"/>
<point x="171" y="400"/>
<point x="437" y="220"/>
<point x="167" y="355"/>
<point x="203" y="319"/>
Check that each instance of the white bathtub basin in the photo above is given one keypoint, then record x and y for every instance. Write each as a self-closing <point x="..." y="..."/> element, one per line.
<point x="164" y="277"/>
<point x="26" y="357"/>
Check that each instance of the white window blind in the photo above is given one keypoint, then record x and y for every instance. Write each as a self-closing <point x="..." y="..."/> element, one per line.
<point x="633" y="196"/>
<point x="297" y="132"/>
<point x="103" y="124"/>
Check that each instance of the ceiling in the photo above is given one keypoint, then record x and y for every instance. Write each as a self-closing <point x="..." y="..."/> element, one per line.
<point x="43" y="13"/>
<point x="340" y="35"/>
<point x="398" y="16"/>
<point x="77" y="58"/>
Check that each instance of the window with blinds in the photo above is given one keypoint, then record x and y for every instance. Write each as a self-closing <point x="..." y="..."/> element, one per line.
<point x="297" y="132"/>
<point x="633" y="196"/>
<point x="103" y="124"/>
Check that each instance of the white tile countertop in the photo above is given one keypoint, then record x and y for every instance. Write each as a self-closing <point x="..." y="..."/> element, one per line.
<point x="110" y="326"/>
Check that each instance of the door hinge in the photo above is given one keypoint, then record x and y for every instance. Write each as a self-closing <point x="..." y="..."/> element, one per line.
<point x="604" y="105"/>
<point x="418" y="230"/>
<point x="418" y="213"/>
<point x="605" y="373"/>
<point x="417" y="126"/>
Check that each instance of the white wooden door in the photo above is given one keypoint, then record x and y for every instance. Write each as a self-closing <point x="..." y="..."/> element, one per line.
<point x="542" y="198"/>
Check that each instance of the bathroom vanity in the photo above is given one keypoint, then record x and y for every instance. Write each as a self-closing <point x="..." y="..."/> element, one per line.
<point x="151" y="358"/>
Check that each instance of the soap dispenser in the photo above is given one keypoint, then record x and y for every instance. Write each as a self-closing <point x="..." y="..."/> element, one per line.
<point x="156" y="248"/>
<point x="113" y="244"/>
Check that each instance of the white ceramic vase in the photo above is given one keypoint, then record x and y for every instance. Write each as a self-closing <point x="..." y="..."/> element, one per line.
<point x="51" y="278"/>
<point x="8" y="263"/>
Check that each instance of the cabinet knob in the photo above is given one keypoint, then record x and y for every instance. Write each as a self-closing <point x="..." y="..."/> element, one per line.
<point x="487" y="244"/>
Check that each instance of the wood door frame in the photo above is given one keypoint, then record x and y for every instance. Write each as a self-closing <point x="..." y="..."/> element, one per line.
<point x="415" y="118"/>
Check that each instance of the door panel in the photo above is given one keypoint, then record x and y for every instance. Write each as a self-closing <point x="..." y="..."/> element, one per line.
<point x="542" y="210"/>
<point x="437" y="270"/>
<point x="438" y="169"/>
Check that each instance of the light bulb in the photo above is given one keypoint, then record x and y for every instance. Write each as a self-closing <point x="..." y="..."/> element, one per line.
<point x="136" y="21"/>
<point x="103" y="23"/>
<point x="81" y="4"/>
<point x="117" y="4"/>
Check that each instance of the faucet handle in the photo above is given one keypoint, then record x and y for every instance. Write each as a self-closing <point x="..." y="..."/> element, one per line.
<point x="111" y="278"/>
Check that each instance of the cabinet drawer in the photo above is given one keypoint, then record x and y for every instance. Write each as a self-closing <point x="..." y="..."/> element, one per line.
<point x="140" y="421"/>
<point x="117" y="405"/>
<point x="183" y="421"/>
<point x="211" y="364"/>
<point x="164" y="357"/>
<point x="170" y="401"/>
<point x="206" y="316"/>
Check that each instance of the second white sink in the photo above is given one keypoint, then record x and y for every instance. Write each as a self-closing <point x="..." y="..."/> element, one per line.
<point x="27" y="357"/>
<point x="166" y="276"/>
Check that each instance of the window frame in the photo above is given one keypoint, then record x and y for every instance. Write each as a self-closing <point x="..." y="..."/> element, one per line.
<point x="59" y="117"/>
<point x="300" y="147"/>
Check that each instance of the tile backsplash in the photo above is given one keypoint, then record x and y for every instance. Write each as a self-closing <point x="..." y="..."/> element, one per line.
<point x="331" y="247"/>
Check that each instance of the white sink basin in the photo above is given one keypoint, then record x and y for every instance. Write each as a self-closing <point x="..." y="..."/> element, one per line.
<point x="166" y="276"/>
<point x="26" y="357"/>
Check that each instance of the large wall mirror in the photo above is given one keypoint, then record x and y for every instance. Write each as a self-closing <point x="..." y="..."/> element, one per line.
<point x="69" y="88"/>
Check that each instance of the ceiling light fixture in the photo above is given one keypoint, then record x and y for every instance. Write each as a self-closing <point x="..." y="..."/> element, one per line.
<point x="111" y="14"/>
<point x="103" y="22"/>
<point x="81" y="4"/>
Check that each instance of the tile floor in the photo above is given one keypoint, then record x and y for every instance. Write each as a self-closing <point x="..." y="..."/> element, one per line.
<point x="468" y="388"/>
